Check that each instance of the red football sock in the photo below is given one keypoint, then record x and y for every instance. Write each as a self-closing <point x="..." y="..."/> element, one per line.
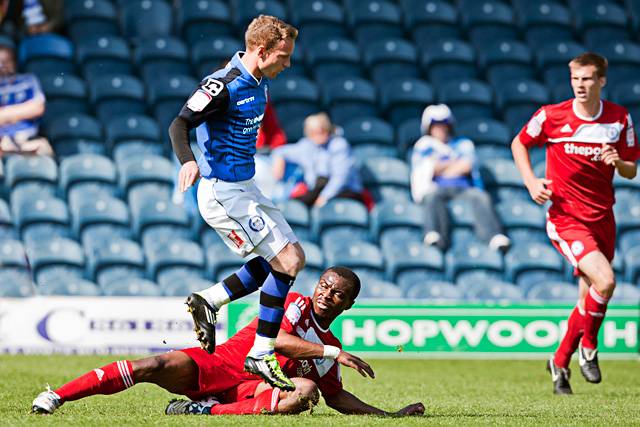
<point x="595" y="306"/>
<point x="569" y="344"/>
<point x="109" y="379"/>
<point x="267" y="401"/>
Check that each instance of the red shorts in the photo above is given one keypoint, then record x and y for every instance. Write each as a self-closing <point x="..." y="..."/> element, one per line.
<point x="217" y="379"/>
<point x="575" y="239"/>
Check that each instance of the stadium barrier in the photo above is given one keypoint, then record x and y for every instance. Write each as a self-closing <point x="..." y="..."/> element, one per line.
<point x="371" y="328"/>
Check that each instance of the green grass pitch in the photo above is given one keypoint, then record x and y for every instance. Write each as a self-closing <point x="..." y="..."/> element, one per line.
<point x="455" y="392"/>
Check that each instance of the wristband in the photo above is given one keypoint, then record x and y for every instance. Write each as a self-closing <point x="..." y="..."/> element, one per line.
<point x="331" y="352"/>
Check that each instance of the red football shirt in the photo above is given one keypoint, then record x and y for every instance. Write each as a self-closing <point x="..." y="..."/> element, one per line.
<point x="582" y="183"/>
<point x="299" y="321"/>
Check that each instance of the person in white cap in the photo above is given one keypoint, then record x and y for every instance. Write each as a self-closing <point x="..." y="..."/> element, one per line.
<point x="443" y="167"/>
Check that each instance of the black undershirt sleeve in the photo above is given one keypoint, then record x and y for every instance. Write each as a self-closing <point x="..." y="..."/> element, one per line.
<point x="179" y="134"/>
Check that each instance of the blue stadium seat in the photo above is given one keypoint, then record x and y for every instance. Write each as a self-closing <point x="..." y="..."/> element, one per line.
<point x="390" y="58"/>
<point x="486" y="153"/>
<point x="86" y="169"/>
<point x="628" y="94"/>
<point x="628" y="240"/>
<point x="140" y="19"/>
<point x="221" y="263"/>
<point x="348" y="98"/>
<point x="100" y="55"/>
<point x="314" y="257"/>
<point x="632" y="264"/>
<point x="430" y="20"/>
<point x="441" y="291"/>
<point x="626" y="293"/>
<point x="505" y="60"/>
<point x="160" y="56"/>
<point x="627" y="214"/>
<point x="447" y="60"/>
<point x="132" y="127"/>
<point x="65" y="94"/>
<point x="380" y="172"/>
<point x="75" y="133"/>
<point x="623" y="57"/>
<point x="600" y="20"/>
<point x="500" y="175"/>
<point x="305" y="282"/>
<point x="166" y="96"/>
<point x="407" y="134"/>
<point x="184" y="288"/>
<point x="634" y="13"/>
<point x="396" y="239"/>
<point x="403" y="98"/>
<point x="316" y="19"/>
<point x="294" y="96"/>
<point x="552" y="60"/>
<point x="415" y="258"/>
<point x="485" y="132"/>
<point x="178" y="256"/>
<point x="85" y="18"/>
<point x="31" y="169"/>
<point x="364" y="151"/>
<point x="136" y="148"/>
<point x="333" y="57"/>
<point x="363" y="256"/>
<point x="100" y="219"/>
<point x="151" y="169"/>
<point x="208" y="55"/>
<point x="379" y="289"/>
<point x="13" y="256"/>
<point x="470" y="279"/>
<point x="470" y="258"/>
<point x="132" y="288"/>
<point x="46" y="53"/>
<point x="374" y="19"/>
<point x="55" y="258"/>
<point x="115" y="95"/>
<point x="297" y="215"/>
<point x="6" y="223"/>
<point x="618" y="264"/>
<point x="200" y="20"/>
<point x="41" y="216"/>
<point x="246" y="10"/>
<point x="157" y="222"/>
<point x="368" y="130"/>
<point x="545" y="22"/>
<point x="494" y="291"/>
<point x="468" y="99"/>
<point x="28" y="191"/>
<point x="556" y="292"/>
<point x="339" y="213"/>
<point x="116" y="260"/>
<point x="488" y="20"/>
<point x="524" y="221"/>
<point x="529" y="263"/>
<point x="15" y="284"/>
<point x="461" y="213"/>
<point x="518" y="99"/>
<point x="394" y="215"/>
<point x="74" y="287"/>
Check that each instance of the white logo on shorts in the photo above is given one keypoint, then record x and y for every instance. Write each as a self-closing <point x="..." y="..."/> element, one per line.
<point x="577" y="247"/>
<point x="256" y="223"/>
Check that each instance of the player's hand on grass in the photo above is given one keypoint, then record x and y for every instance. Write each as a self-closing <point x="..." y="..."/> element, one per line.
<point x="609" y="155"/>
<point x="413" y="409"/>
<point x="189" y="174"/>
<point x="348" y="359"/>
<point x="539" y="191"/>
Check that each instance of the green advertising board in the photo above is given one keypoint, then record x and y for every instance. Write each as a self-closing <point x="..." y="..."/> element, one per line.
<point x="423" y="330"/>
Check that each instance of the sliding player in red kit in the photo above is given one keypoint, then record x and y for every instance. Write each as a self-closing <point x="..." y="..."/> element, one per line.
<point x="587" y="139"/>
<point x="217" y="383"/>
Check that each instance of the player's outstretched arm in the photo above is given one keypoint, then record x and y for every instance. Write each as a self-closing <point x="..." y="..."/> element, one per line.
<point x="346" y="403"/>
<point x="296" y="348"/>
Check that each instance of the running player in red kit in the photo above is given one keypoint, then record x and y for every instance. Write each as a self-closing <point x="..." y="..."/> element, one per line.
<point x="217" y="383"/>
<point x="587" y="139"/>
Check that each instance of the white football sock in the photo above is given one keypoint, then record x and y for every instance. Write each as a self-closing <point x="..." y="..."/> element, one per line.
<point x="216" y="295"/>
<point x="262" y="346"/>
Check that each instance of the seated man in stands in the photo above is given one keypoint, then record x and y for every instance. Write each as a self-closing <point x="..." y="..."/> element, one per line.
<point x="442" y="169"/>
<point x="325" y="158"/>
<point x="22" y="104"/>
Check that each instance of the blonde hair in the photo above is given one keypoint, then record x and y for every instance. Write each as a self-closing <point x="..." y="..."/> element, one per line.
<point x="268" y="31"/>
<point x="320" y="120"/>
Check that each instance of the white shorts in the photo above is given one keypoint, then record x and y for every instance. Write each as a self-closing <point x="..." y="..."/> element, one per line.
<point x="245" y="219"/>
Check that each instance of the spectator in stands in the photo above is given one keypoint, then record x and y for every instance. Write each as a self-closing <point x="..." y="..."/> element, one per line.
<point x="31" y="16"/>
<point x="442" y="169"/>
<point x="22" y="103"/>
<point x="325" y="158"/>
